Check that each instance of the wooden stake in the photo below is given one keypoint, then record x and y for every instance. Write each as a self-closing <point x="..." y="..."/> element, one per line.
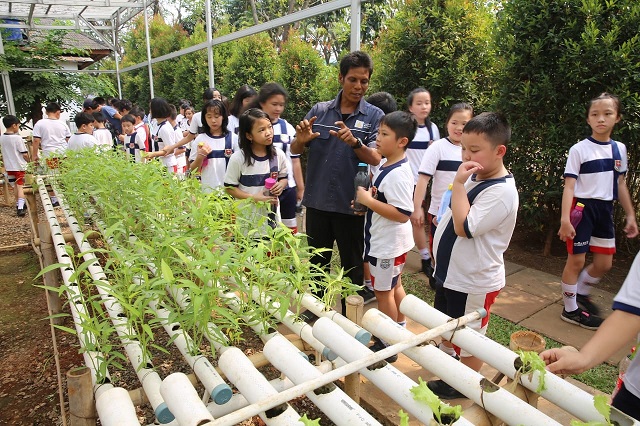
<point x="355" y="310"/>
<point x="82" y="406"/>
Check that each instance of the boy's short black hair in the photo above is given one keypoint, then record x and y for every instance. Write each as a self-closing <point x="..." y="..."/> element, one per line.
<point x="174" y="112"/>
<point x="53" y="107"/>
<point x="137" y="111"/>
<point x="493" y="125"/>
<point x="125" y="104"/>
<point x="100" y="100"/>
<point x="128" y="118"/>
<point x="159" y="108"/>
<point x="383" y="100"/>
<point x="99" y="117"/>
<point x="10" y="120"/>
<point x="83" y="118"/>
<point x="356" y="59"/>
<point x="403" y="124"/>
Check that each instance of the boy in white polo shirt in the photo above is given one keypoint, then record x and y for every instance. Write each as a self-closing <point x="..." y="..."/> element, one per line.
<point x="475" y="231"/>
<point x="15" y="158"/>
<point x="388" y="235"/>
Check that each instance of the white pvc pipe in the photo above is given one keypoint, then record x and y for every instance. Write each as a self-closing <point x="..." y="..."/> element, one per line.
<point x="494" y="399"/>
<point x="568" y="397"/>
<point x="337" y="405"/>
<point x="215" y="386"/>
<point x="255" y="387"/>
<point x="149" y="378"/>
<point x="340" y="372"/>
<point x="183" y="400"/>
<point x="125" y="415"/>
<point x="383" y="375"/>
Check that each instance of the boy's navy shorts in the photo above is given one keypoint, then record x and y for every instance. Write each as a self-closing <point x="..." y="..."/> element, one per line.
<point x="595" y="232"/>
<point x="459" y="304"/>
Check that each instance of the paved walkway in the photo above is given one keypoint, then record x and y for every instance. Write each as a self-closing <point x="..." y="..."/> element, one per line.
<point x="531" y="299"/>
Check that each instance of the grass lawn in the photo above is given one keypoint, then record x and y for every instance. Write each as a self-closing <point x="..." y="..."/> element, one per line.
<point x="602" y="377"/>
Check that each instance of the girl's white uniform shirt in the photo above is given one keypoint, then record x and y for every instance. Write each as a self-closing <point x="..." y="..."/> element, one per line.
<point x="440" y="162"/>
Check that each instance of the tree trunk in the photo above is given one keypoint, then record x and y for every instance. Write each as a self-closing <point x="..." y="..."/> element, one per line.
<point x="285" y="30"/>
<point x="546" y="251"/>
<point x="254" y="11"/>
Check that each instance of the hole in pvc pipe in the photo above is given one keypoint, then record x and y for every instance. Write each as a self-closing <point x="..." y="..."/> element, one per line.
<point x="175" y="327"/>
<point x="187" y="300"/>
<point x="488" y="386"/>
<point x="149" y="366"/>
<point x="121" y="315"/>
<point x="104" y="381"/>
<point x="271" y="330"/>
<point x="73" y="284"/>
<point x="78" y="302"/>
<point x="276" y="411"/>
<point x="68" y="269"/>
<point x="377" y="365"/>
<point x="203" y="422"/>
<point x="517" y="363"/>
<point x="329" y="387"/>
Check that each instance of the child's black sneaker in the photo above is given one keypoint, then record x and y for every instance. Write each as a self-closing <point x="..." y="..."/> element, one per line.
<point x="427" y="269"/>
<point x="368" y="295"/>
<point x="443" y="390"/>
<point x="378" y="346"/>
<point x="21" y="212"/>
<point x="582" y="318"/>
<point x="585" y="303"/>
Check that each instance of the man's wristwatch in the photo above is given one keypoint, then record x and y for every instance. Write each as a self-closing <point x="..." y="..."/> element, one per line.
<point x="358" y="144"/>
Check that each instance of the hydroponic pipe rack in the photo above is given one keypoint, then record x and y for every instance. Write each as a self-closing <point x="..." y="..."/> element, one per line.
<point x="339" y="344"/>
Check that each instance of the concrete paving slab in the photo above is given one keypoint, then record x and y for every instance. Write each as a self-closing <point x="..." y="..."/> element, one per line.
<point x="511" y="268"/>
<point x="516" y="305"/>
<point x="548" y="323"/>
<point x="536" y="282"/>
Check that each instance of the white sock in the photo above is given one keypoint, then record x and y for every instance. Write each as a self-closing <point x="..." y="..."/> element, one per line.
<point x="585" y="282"/>
<point x="367" y="283"/>
<point x="569" y="296"/>
<point x="424" y="253"/>
<point x="402" y="324"/>
<point x="447" y="349"/>
<point x="20" y="203"/>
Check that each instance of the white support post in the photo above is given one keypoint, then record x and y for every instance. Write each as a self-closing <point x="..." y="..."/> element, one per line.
<point x="207" y="9"/>
<point x="356" y="21"/>
<point x="114" y="33"/>
<point x="146" y="35"/>
<point x="6" y="83"/>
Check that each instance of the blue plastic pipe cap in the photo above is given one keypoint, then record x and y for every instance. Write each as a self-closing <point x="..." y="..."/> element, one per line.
<point x="221" y="394"/>
<point x="363" y="336"/>
<point x="163" y="414"/>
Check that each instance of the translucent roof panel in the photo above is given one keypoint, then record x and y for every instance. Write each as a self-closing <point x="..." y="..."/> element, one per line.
<point x="29" y="12"/>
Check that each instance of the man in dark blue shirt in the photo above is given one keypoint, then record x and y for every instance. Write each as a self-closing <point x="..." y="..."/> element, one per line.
<point x="339" y="134"/>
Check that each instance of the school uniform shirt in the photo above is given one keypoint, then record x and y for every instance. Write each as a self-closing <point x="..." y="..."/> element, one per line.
<point x="418" y="146"/>
<point x="133" y="144"/>
<point x="13" y="148"/>
<point x="181" y="159"/>
<point x="283" y="134"/>
<point x="332" y="164"/>
<point x="233" y="124"/>
<point x="474" y="264"/>
<point x="196" y="124"/>
<point x="628" y="300"/>
<point x="592" y="164"/>
<point x="109" y="112"/>
<point x="103" y="136"/>
<point x="165" y="136"/>
<point x="384" y="238"/>
<point x="440" y="163"/>
<point x="53" y="136"/>
<point x="79" y="141"/>
<point x="250" y="179"/>
<point x="214" y="166"/>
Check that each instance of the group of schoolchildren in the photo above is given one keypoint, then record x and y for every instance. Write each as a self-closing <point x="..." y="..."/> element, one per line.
<point x="242" y="146"/>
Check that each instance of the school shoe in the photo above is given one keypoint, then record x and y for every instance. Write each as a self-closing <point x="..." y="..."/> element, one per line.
<point x="378" y="346"/>
<point x="443" y="390"/>
<point x="427" y="269"/>
<point x="21" y="212"/>
<point x="585" y="303"/>
<point x="582" y="318"/>
<point x="368" y="295"/>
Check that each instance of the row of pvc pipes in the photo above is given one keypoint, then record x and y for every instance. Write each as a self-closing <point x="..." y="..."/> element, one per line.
<point x="341" y="342"/>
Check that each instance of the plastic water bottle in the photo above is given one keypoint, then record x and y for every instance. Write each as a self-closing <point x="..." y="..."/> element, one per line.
<point x="268" y="184"/>
<point x="576" y="215"/>
<point x="444" y="203"/>
<point x="361" y="179"/>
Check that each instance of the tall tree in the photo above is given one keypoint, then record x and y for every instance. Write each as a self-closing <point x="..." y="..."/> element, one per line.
<point x="556" y="55"/>
<point x="33" y="89"/>
<point x="444" y="46"/>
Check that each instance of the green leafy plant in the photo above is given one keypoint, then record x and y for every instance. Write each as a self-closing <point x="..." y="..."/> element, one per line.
<point x="404" y="418"/>
<point x="308" y="422"/>
<point x="444" y="413"/>
<point x="603" y="407"/>
<point x="531" y="362"/>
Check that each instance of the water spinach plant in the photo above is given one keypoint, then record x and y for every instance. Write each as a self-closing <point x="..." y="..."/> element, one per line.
<point x="169" y="243"/>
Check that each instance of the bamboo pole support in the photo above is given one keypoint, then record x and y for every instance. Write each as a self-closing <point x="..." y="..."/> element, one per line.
<point x="355" y="310"/>
<point x="82" y="407"/>
<point x="51" y="278"/>
<point x="32" y="209"/>
<point x="5" y="189"/>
